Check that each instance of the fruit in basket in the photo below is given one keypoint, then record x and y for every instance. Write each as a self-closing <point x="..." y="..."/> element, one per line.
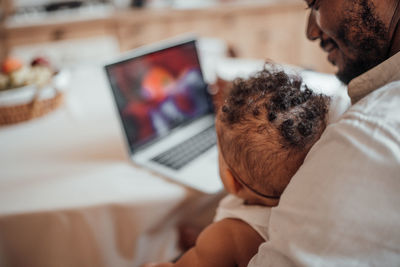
<point x="40" y="61"/>
<point x="15" y="74"/>
<point x="3" y="81"/>
<point x="11" y="64"/>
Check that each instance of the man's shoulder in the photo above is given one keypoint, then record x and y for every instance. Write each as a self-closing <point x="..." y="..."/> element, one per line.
<point x="341" y="204"/>
<point x="380" y="108"/>
<point x="369" y="128"/>
<point x="389" y="92"/>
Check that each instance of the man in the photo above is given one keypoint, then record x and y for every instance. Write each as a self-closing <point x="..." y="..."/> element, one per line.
<point x="342" y="208"/>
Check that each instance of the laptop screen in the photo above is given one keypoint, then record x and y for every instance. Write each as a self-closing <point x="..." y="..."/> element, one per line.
<point x="158" y="91"/>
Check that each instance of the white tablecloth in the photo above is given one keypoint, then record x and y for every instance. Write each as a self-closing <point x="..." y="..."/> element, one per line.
<point x="69" y="196"/>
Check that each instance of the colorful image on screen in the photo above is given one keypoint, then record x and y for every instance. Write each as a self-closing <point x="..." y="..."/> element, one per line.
<point x="159" y="91"/>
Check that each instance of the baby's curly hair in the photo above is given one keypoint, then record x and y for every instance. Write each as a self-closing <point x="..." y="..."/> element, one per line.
<point x="270" y="121"/>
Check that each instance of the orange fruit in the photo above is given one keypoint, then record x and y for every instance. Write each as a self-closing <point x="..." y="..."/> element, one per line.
<point x="11" y="64"/>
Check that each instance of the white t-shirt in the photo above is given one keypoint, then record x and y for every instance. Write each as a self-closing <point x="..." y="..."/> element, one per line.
<point x="255" y="216"/>
<point x="342" y="208"/>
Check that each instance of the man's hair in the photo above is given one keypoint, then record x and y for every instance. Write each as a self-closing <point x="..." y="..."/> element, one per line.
<point x="270" y="121"/>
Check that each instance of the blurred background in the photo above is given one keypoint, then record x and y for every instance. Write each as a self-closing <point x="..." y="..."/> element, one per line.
<point x="88" y="31"/>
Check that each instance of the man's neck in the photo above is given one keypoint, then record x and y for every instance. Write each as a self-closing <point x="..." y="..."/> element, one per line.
<point x="395" y="28"/>
<point x="395" y="43"/>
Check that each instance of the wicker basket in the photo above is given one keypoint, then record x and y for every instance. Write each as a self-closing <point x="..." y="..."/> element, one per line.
<point x="33" y="109"/>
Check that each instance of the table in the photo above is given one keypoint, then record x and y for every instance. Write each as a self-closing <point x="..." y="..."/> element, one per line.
<point x="69" y="196"/>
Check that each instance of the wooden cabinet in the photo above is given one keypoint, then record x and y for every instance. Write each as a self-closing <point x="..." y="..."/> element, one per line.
<point x="46" y="33"/>
<point x="273" y="30"/>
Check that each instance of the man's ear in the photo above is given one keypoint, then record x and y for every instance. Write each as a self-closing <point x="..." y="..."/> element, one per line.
<point x="233" y="185"/>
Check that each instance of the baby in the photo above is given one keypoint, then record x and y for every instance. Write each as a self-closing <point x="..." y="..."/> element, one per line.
<point x="265" y="128"/>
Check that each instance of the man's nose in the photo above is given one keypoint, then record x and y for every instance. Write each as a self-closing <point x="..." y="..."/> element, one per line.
<point x="313" y="32"/>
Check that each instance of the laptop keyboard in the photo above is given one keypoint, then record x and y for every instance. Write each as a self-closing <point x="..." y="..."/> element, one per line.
<point x="185" y="152"/>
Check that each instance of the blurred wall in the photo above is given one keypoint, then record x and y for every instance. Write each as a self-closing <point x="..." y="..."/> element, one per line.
<point x="270" y="29"/>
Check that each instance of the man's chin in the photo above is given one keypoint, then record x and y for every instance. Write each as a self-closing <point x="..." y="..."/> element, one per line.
<point x="350" y="71"/>
<point x="343" y="77"/>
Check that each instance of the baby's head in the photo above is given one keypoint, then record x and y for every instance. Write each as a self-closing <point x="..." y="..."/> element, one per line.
<point x="265" y="128"/>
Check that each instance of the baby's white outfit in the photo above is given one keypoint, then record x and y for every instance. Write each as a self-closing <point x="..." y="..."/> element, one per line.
<point x="256" y="216"/>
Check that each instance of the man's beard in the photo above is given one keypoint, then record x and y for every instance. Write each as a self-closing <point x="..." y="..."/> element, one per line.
<point x="366" y="34"/>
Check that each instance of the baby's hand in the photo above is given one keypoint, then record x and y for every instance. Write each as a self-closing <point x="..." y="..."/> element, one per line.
<point x="153" y="264"/>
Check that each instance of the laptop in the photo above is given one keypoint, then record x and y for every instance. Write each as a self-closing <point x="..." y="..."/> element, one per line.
<point x="166" y="112"/>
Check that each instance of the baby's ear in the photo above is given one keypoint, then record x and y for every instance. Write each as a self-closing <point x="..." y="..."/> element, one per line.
<point x="232" y="183"/>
